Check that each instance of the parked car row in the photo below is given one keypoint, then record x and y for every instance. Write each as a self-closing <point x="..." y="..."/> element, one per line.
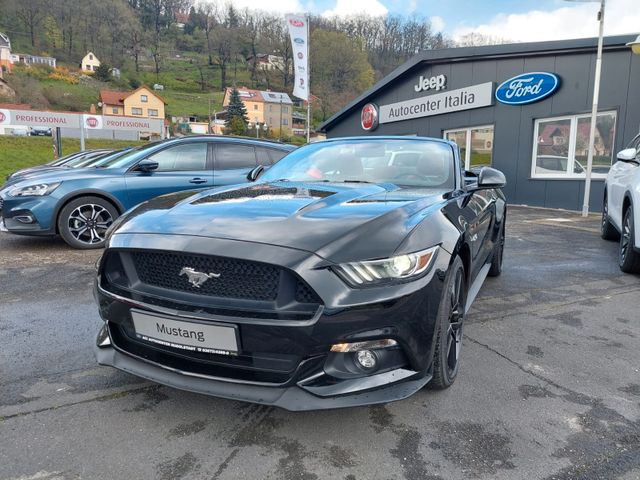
<point x="336" y="274"/>
<point x="31" y="131"/>
<point x="81" y="203"/>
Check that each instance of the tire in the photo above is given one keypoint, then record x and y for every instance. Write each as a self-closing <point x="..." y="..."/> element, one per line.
<point x="449" y="325"/>
<point x="628" y="258"/>
<point x="498" y="251"/>
<point x="607" y="230"/>
<point x="83" y="222"/>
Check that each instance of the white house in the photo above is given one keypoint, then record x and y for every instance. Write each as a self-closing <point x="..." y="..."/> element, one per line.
<point x="90" y="63"/>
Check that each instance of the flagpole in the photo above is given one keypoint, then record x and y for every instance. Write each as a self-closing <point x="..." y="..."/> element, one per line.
<point x="308" y="84"/>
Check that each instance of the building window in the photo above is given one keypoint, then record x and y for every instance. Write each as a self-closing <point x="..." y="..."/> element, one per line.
<point x="475" y="143"/>
<point x="255" y="106"/>
<point x="153" y="112"/>
<point x="136" y="111"/>
<point x="561" y="146"/>
<point x="144" y="99"/>
<point x="285" y="109"/>
<point x="285" y="121"/>
<point x="114" y="110"/>
<point x="88" y="67"/>
<point x="271" y="108"/>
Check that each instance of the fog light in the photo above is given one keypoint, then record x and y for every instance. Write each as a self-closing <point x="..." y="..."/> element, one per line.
<point x="367" y="359"/>
<point x="24" y="218"/>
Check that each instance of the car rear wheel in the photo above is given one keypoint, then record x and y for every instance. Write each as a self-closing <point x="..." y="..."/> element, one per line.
<point x="629" y="258"/>
<point x="498" y="251"/>
<point x="83" y="222"/>
<point x="607" y="230"/>
<point x="449" y="328"/>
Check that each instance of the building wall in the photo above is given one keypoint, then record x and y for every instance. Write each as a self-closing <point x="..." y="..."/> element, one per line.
<point x="273" y="118"/>
<point x="109" y="110"/>
<point x="5" y="59"/>
<point x="135" y="101"/>
<point x="514" y="125"/>
<point x="90" y="64"/>
<point x="255" y="111"/>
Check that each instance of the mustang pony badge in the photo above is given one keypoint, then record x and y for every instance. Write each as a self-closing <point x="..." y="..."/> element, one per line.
<point x="197" y="278"/>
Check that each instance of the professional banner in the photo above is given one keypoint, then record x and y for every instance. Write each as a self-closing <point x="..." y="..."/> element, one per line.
<point x="37" y="118"/>
<point x="299" y="32"/>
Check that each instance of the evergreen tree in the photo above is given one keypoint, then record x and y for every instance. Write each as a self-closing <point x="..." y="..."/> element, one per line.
<point x="103" y="72"/>
<point x="236" y="122"/>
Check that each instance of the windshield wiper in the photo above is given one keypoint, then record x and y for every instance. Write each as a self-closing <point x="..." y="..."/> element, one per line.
<point x="355" y="181"/>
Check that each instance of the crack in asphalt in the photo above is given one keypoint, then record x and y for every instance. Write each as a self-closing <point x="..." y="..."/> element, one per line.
<point x="546" y="307"/>
<point x="102" y="398"/>
<point x="608" y="443"/>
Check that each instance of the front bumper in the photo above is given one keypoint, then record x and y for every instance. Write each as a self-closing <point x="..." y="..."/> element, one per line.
<point x="387" y="387"/>
<point x="287" y="362"/>
<point x="28" y="215"/>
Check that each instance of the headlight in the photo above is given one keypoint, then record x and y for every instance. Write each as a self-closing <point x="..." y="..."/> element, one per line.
<point x="36" y="190"/>
<point x="400" y="267"/>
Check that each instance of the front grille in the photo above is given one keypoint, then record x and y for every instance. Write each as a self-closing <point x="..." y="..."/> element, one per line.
<point x="243" y="288"/>
<point x="240" y="279"/>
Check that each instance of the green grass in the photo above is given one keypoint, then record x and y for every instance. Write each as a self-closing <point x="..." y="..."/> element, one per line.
<point x="187" y="104"/>
<point x="23" y="152"/>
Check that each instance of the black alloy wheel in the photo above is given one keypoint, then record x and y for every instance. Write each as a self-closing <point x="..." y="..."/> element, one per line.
<point x="607" y="230"/>
<point x="629" y="258"/>
<point x="498" y="253"/>
<point x="449" y="328"/>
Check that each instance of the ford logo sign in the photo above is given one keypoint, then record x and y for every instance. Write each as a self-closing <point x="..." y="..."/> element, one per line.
<point x="527" y="88"/>
<point x="298" y="40"/>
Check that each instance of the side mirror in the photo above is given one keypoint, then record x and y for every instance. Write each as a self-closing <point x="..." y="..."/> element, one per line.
<point x="255" y="172"/>
<point x="147" y="166"/>
<point x="491" y="178"/>
<point x="627" y="155"/>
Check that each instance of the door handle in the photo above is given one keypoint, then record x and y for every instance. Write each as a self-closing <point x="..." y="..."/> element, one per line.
<point x="198" y="180"/>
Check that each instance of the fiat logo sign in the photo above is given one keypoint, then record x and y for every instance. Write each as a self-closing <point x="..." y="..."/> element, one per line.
<point x="2" y="117"/>
<point x="369" y="117"/>
<point x="92" y="122"/>
<point x="296" y="23"/>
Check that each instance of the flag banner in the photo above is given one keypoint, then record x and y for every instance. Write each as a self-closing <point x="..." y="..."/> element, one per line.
<point x="298" y="30"/>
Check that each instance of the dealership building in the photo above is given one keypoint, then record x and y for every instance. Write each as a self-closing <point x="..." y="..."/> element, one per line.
<point x="521" y="108"/>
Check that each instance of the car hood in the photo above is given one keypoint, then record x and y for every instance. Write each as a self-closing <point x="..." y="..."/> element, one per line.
<point x="331" y="220"/>
<point x="58" y="174"/>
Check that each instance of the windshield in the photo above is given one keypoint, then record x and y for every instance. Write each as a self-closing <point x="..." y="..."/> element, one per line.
<point x="415" y="163"/>
<point x="83" y="160"/>
<point x="121" y="158"/>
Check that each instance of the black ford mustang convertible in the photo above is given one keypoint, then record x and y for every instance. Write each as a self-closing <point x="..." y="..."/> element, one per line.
<point x="339" y="277"/>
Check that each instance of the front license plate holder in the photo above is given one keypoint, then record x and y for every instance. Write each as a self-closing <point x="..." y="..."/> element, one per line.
<point x="189" y="335"/>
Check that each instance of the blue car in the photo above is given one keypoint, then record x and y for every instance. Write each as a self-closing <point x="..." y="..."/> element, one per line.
<point x="80" y="204"/>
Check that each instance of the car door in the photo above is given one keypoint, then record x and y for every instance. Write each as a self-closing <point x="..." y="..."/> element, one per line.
<point x="232" y="162"/>
<point x="180" y="167"/>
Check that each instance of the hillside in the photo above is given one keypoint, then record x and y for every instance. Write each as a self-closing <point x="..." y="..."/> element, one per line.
<point x="196" y="48"/>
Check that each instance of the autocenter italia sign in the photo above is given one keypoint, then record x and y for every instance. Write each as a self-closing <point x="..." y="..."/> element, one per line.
<point x="474" y="96"/>
<point x="36" y="118"/>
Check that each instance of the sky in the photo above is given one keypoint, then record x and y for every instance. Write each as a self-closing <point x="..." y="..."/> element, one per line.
<point x="517" y="20"/>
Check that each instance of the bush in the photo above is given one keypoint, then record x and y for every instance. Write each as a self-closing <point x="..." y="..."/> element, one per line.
<point x="134" y="83"/>
<point x="64" y="77"/>
<point x="103" y="72"/>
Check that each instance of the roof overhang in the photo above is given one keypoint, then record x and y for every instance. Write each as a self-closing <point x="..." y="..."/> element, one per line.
<point x="463" y="54"/>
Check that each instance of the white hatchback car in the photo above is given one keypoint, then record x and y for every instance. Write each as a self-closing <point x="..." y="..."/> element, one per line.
<point x="621" y="207"/>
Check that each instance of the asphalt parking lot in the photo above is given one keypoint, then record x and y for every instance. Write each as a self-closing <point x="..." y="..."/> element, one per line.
<point x="549" y="384"/>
